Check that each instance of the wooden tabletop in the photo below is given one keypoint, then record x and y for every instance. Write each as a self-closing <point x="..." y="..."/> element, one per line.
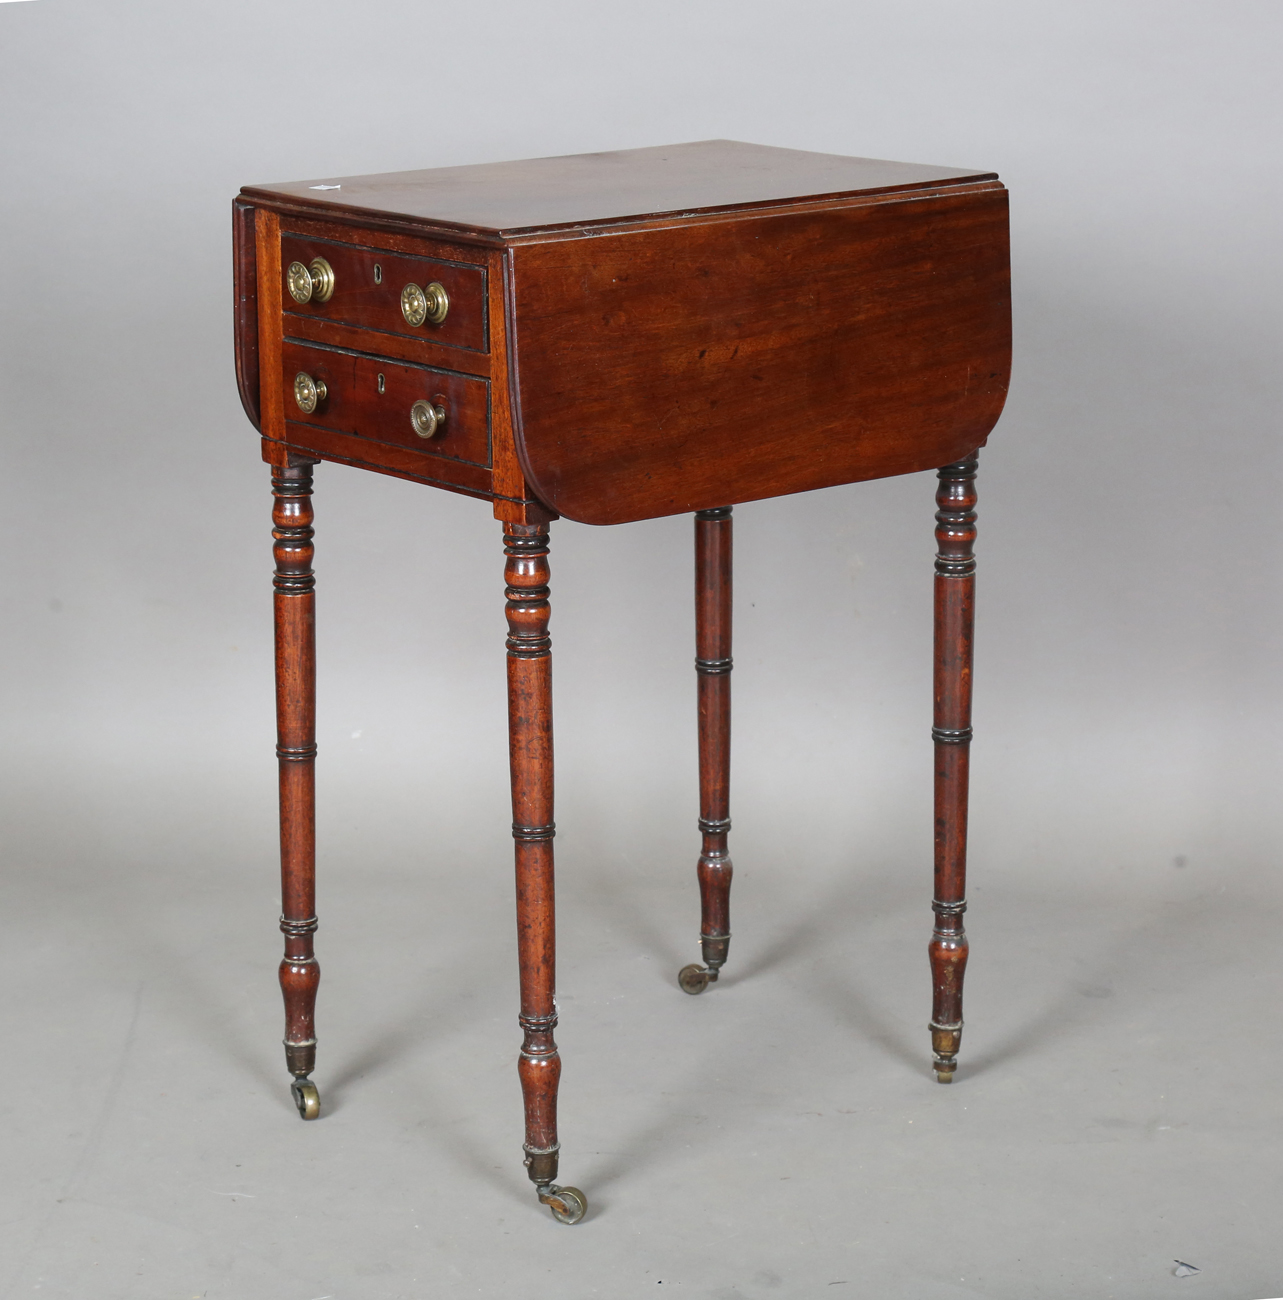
<point x="515" y="198"/>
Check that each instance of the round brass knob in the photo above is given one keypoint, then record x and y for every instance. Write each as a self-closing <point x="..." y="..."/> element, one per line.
<point x="311" y="283"/>
<point x="429" y="304"/>
<point x="309" y="393"/>
<point x="426" y="419"/>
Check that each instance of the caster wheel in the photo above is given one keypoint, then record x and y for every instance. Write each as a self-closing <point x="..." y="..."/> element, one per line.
<point x="692" y="979"/>
<point x="944" y="1076"/>
<point x="306" y="1098"/>
<point x="568" y="1204"/>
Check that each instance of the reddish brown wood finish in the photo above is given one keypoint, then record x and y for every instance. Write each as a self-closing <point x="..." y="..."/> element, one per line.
<point x="355" y="405"/>
<point x="269" y="415"/>
<point x="315" y="329"/>
<point x="631" y="334"/>
<point x="315" y="443"/>
<point x="955" y="585"/>
<point x="245" y="315"/>
<point x="364" y="303"/>
<point x="426" y="344"/>
<point x="582" y="191"/>
<point x="512" y="500"/>
<point x="530" y="757"/>
<point x="295" y="620"/>
<point x="713" y="556"/>
<point x="682" y="328"/>
<point x="705" y="363"/>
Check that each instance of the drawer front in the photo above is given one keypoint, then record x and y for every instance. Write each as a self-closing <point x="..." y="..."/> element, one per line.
<point x="372" y="398"/>
<point x="367" y="289"/>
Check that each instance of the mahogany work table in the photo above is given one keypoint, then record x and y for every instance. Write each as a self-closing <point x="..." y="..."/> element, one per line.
<point x="612" y="337"/>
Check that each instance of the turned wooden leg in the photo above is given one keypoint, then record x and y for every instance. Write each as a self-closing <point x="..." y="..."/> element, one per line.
<point x="295" y="618"/>
<point x="713" y="666"/>
<point x="530" y="756"/>
<point x="955" y="585"/>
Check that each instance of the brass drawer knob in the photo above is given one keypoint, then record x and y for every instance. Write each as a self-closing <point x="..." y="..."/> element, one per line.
<point x="311" y="283"/>
<point x="419" y="305"/>
<point x="427" y="420"/>
<point x="309" y="393"/>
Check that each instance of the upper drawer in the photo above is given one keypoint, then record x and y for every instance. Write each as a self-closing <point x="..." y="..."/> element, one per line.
<point x="368" y="286"/>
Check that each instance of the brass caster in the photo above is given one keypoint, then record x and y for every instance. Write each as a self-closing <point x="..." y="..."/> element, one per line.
<point x="568" y="1204"/>
<point x="693" y="979"/>
<point x="945" y="1042"/>
<point x="306" y="1098"/>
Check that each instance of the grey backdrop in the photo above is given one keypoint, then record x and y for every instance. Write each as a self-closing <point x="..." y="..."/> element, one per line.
<point x="1117" y="1106"/>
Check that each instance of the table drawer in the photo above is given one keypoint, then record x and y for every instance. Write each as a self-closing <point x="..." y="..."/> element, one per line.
<point x="367" y="288"/>
<point x="373" y="398"/>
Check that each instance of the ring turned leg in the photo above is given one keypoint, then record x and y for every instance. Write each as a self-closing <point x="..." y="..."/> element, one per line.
<point x="530" y="755"/>
<point x="713" y="664"/>
<point x="294" y="604"/>
<point x="955" y="585"/>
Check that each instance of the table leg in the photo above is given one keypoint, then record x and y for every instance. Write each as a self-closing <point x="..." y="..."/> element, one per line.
<point x="294" y="607"/>
<point x="530" y="756"/>
<point x="713" y="537"/>
<point x="955" y="584"/>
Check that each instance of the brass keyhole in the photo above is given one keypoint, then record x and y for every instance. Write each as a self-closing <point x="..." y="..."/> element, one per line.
<point x="380" y="383"/>
<point x="378" y="277"/>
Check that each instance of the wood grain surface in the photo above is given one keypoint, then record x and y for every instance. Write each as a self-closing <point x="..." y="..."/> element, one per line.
<point x="245" y="309"/>
<point x="375" y="305"/>
<point x="507" y="198"/>
<point x="631" y="334"/>
<point x="356" y="403"/>
<point x="294" y="601"/>
<point x="705" y="363"/>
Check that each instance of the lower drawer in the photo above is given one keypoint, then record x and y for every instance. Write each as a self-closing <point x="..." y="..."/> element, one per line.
<point x="374" y="399"/>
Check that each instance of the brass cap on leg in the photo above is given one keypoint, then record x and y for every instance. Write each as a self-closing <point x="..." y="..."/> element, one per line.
<point x="945" y="1042"/>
